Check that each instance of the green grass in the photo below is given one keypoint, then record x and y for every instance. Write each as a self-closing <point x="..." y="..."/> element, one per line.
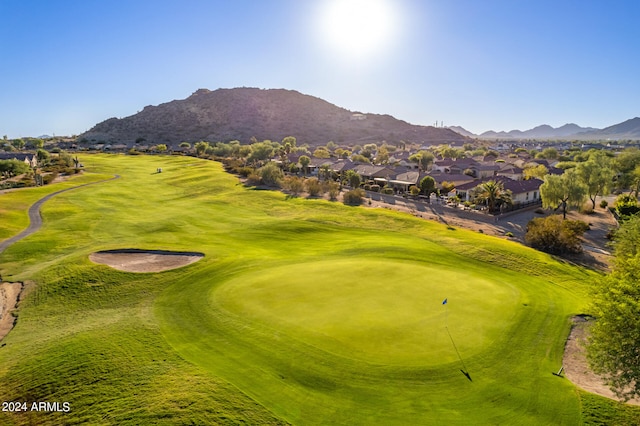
<point x="302" y="311"/>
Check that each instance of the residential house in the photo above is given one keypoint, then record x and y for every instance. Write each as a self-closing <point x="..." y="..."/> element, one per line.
<point x="380" y="174"/>
<point x="522" y="191"/>
<point x="30" y="160"/>
<point x="401" y="182"/>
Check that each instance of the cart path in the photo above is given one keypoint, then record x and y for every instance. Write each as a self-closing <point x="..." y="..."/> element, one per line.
<point x="35" y="218"/>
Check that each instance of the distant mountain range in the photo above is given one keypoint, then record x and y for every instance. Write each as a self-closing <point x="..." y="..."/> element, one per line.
<point x="629" y="129"/>
<point x="245" y="113"/>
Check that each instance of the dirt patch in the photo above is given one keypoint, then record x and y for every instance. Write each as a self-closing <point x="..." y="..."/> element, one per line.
<point x="9" y="297"/>
<point x="135" y="260"/>
<point x="576" y="367"/>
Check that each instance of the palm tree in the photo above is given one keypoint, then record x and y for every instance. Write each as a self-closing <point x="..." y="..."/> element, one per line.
<point x="493" y="194"/>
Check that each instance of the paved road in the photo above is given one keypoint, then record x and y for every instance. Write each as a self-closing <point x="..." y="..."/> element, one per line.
<point x="35" y="219"/>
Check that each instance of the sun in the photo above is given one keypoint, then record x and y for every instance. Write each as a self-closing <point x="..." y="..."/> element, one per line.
<point x="358" y="29"/>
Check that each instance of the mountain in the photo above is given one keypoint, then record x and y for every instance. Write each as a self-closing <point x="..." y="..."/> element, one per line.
<point x="243" y="113"/>
<point x="462" y="131"/>
<point x="629" y="129"/>
<point x="540" y="132"/>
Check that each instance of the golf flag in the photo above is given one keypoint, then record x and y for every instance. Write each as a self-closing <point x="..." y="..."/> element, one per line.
<point x="444" y="302"/>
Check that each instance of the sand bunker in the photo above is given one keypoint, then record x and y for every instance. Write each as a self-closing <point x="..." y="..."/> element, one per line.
<point x="136" y="260"/>
<point x="9" y="296"/>
<point x="576" y="367"/>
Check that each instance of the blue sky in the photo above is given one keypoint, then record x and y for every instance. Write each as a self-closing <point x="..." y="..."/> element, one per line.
<point x="482" y="64"/>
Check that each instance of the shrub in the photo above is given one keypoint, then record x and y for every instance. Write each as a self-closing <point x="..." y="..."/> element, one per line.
<point x="254" y="179"/>
<point x="626" y="205"/>
<point x="367" y="187"/>
<point x="555" y="235"/>
<point x="387" y="191"/>
<point x="271" y="174"/>
<point x="333" y="188"/>
<point x="604" y="204"/>
<point x="586" y="209"/>
<point x="293" y="184"/>
<point x="244" y="171"/>
<point x="353" y="197"/>
<point x="509" y="234"/>
<point x="414" y="190"/>
<point x="47" y="179"/>
<point x="375" y="188"/>
<point x="314" y="188"/>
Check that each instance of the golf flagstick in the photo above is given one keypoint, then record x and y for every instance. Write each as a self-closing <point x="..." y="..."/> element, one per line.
<point x="446" y="326"/>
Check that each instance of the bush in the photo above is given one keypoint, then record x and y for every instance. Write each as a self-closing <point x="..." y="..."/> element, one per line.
<point x="375" y="188"/>
<point x="353" y="197"/>
<point x="586" y="209"/>
<point x="47" y="179"/>
<point x="509" y="234"/>
<point x="314" y="188"/>
<point x="387" y="191"/>
<point x="254" y="179"/>
<point x="555" y="235"/>
<point x="271" y="174"/>
<point x="626" y="205"/>
<point x="245" y="171"/>
<point x="293" y="184"/>
<point x="333" y="188"/>
<point x="604" y="204"/>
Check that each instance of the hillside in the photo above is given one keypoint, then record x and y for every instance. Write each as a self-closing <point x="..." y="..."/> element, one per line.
<point x="243" y="113"/>
<point x="629" y="129"/>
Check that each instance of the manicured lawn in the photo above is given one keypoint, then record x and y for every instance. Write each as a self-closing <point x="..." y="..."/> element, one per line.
<point x="302" y="311"/>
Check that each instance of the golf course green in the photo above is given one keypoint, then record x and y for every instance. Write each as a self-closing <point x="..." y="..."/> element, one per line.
<point x="301" y="311"/>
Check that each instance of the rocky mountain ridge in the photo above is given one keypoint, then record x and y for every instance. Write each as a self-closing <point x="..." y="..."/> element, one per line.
<point x="246" y="113"/>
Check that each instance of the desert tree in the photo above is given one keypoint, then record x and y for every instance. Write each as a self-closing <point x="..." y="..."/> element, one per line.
<point x="352" y="178"/>
<point x="565" y="190"/>
<point x="42" y="156"/>
<point x="625" y="165"/>
<point x="423" y="159"/>
<point x="428" y="185"/>
<point x="596" y="174"/>
<point x="11" y="168"/>
<point x="635" y="181"/>
<point x="325" y="172"/>
<point x="260" y="152"/>
<point x="535" y="171"/>
<point x="613" y="350"/>
<point x="382" y="156"/>
<point x="321" y="152"/>
<point x="304" y="161"/>
<point x="201" y="148"/>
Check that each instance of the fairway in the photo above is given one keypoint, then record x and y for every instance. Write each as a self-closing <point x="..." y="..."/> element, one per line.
<point x="376" y="310"/>
<point x="298" y="311"/>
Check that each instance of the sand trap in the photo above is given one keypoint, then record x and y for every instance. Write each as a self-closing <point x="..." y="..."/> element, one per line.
<point x="9" y="296"/>
<point x="576" y="366"/>
<point x="136" y="260"/>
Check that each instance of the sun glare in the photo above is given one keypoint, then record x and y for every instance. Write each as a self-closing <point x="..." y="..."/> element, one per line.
<point x="358" y="29"/>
